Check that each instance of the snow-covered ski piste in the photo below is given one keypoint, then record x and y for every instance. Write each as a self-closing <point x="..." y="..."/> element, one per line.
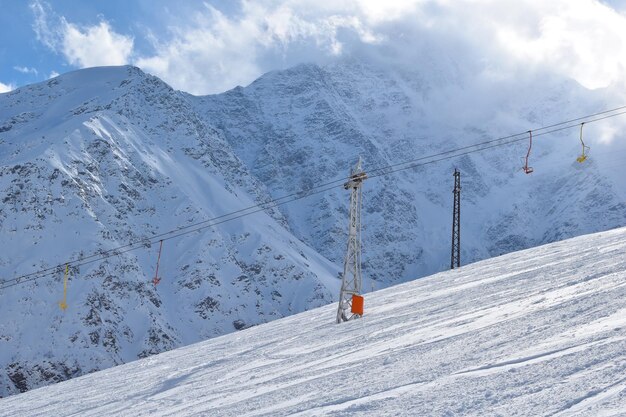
<point x="533" y="333"/>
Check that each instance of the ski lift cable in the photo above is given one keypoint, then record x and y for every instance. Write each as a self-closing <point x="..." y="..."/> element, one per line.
<point x="502" y="138"/>
<point x="261" y="207"/>
<point x="33" y="276"/>
<point x="147" y="241"/>
<point x="492" y="144"/>
<point x="181" y="231"/>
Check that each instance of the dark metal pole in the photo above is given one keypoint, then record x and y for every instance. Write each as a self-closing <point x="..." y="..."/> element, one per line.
<point x="455" y="258"/>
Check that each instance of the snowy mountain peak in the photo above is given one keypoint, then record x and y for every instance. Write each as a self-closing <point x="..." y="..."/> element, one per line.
<point x="98" y="83"/>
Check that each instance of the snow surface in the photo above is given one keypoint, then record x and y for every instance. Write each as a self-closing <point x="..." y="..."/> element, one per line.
<point x="536" y="332"/>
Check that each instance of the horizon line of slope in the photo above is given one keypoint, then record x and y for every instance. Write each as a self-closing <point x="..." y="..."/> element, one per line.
<point x="536" y="332"/>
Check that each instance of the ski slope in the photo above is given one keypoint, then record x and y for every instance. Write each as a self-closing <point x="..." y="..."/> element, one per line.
<point x="536" y="332"/>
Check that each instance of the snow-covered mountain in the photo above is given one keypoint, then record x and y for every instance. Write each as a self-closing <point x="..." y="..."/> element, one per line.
<point x="304" y="126"/>
<point x="97" y="158"/>
<point x="532" y="333"/>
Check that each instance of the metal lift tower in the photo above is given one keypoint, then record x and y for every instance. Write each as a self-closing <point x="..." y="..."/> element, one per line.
<point x="350" y="301"/>
<point x="455" y="261"/>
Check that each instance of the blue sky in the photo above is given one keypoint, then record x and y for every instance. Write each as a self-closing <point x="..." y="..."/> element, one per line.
<point x="20" y="47"/>
<point x="25" y="59"/>
<point x="210" y="46"/>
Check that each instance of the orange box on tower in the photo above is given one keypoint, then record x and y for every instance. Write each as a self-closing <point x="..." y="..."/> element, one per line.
<point x="357" y="304"/>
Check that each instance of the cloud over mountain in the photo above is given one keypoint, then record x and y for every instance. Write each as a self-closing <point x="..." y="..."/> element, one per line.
<point x="81" y="46"/>
<point x="211" y="47"/>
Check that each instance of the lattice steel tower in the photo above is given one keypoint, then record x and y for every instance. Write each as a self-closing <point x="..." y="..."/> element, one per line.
<point x="455" y="259"/>
<point x="351" y="280"/>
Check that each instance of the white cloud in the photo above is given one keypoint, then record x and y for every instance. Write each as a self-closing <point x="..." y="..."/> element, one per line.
<point x="26" y="70"/>
<point x="53" y="74"/>
<point x="582" y="40"/>
<point x="5" y="88"/>
<point x="206" y="51"/>
<point x="49" y="35"/>
<point x="217" y="52"/>
<point x="82" y="46"/>
<point x="95" y="45"/>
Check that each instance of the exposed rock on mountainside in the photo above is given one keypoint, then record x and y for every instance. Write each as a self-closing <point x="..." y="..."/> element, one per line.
<point x="301" y="127"/>
<point x="98" y="158"/>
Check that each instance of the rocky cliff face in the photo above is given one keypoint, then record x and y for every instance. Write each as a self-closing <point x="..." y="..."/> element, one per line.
<point x="98" y="158"/>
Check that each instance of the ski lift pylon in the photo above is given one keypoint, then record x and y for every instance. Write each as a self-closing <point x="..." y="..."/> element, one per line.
<point x="156" y="278"/>
<point x="63" y="303"/>
<point x="526" y="168"/>
<point x="583" y="156"/>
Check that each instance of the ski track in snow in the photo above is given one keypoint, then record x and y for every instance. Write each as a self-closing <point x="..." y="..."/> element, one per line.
<point x="537" y="332"/>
